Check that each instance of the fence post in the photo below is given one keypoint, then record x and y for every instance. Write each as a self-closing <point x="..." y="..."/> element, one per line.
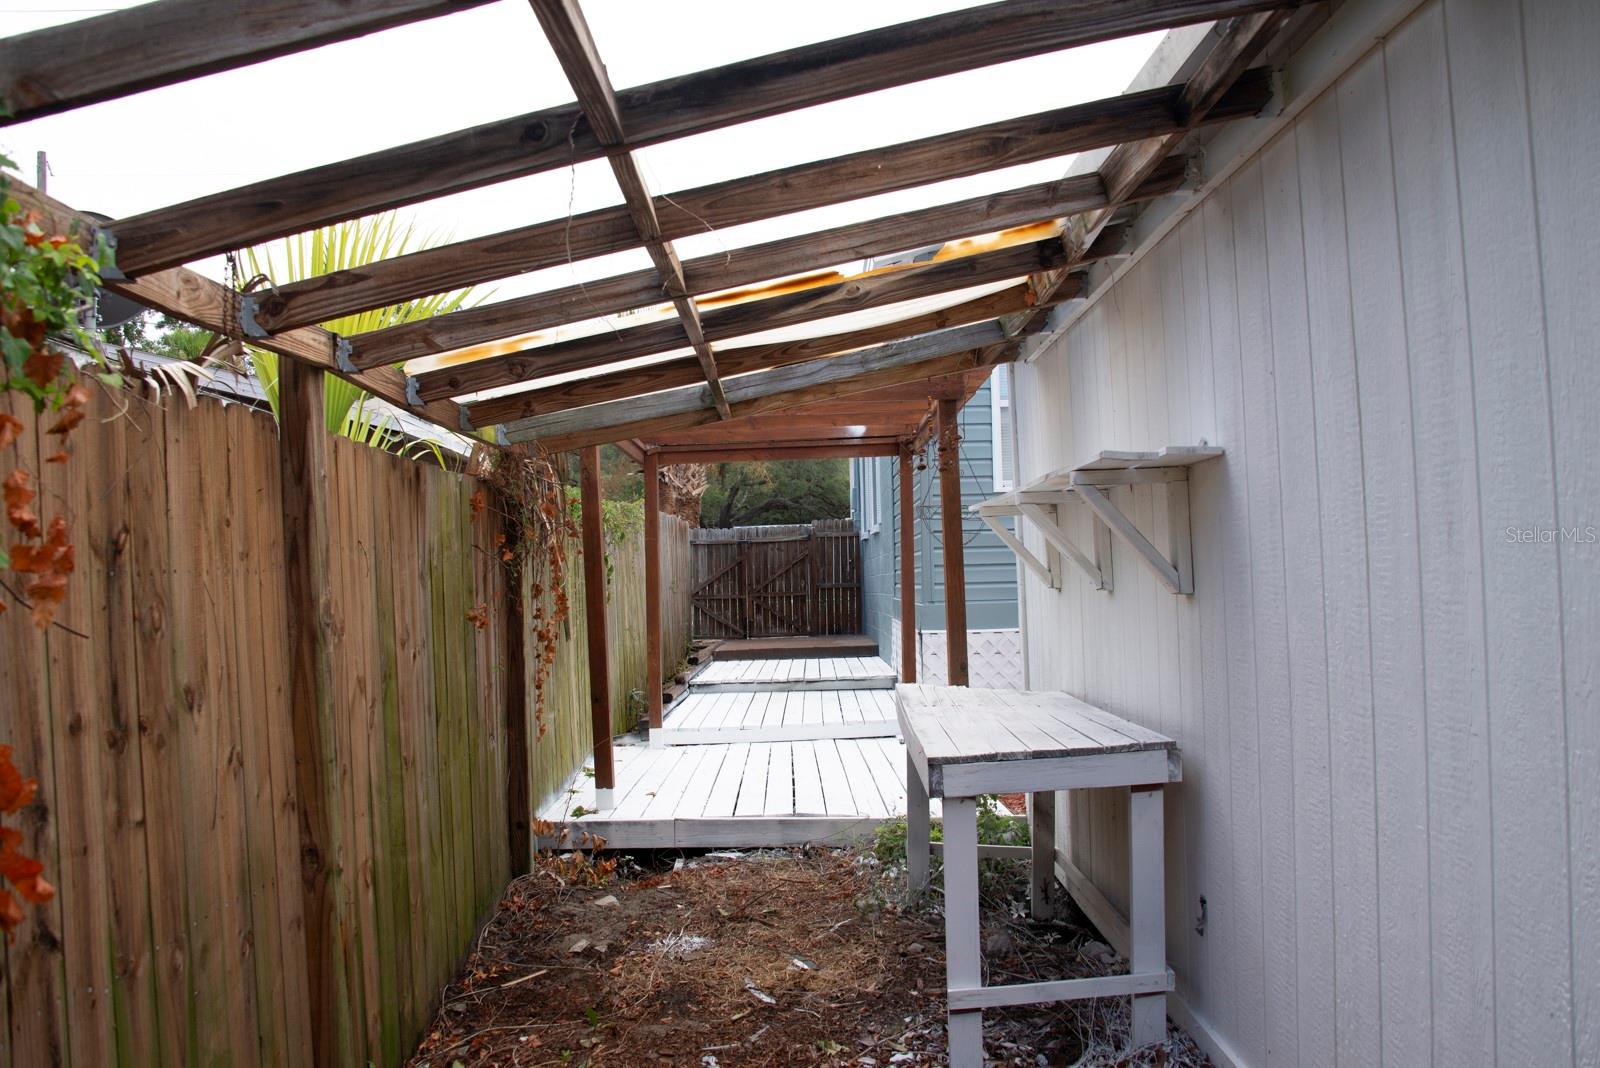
<point x="519" y="787"/>
<point x="594" y="608"/>
<point x="652" y="587"/>
<point x="303" y="448"/>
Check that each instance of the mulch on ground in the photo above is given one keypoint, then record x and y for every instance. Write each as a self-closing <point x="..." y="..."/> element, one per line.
<point x="798" y="957"/>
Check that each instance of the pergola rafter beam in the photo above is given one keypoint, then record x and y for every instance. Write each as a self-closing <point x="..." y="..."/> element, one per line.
<point x="124" y="52"/>
<point x="671" y="108"/>
<point x="569" y="35"/>
<point x="920" y="280"/>
<point x="637" y="381"/>
<point x="1131" y="163"/>
<point x="899" y="361"/>
<point x="750" y="265"/>
<point x="1096" y="124"/>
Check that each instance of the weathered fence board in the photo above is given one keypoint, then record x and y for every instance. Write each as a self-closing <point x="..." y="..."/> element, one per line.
<point x="775" y="581"/>
<point x="169" y="815"/>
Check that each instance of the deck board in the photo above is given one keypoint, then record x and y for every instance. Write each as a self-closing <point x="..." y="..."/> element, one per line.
<point x="777" y="716"/>
<point x="742" y="794"/>
<point x="821" y="673"/>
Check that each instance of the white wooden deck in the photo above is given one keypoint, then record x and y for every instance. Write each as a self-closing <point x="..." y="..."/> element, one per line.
<point x="777" y="716"/>
<point x="759" y="753"/>
<point x="826" y="673"/>
<point x="744" y="794"/>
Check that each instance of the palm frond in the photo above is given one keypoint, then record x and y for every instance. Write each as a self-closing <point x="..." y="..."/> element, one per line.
<point x="341" y="247"/>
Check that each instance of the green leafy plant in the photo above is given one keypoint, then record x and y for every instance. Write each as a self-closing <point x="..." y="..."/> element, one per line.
<point x="351" y="411"/>
<point x="995" y="827"/>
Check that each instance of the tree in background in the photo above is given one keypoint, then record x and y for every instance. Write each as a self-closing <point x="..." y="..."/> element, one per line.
<point x="777" y="491"/>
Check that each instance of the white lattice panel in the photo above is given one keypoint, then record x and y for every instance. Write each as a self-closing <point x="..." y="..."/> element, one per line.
<point x="994" y="657"/>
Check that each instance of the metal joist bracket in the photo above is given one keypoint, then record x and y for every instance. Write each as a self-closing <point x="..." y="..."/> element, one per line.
<point x="341" y="356"/>
<point x="247" y="317"/>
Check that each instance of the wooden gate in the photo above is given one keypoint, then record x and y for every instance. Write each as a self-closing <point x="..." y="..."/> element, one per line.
<point x="777" y="581"/>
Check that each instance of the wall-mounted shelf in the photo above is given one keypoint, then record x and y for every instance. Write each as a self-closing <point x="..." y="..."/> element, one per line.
<point x="1044" y="500"/>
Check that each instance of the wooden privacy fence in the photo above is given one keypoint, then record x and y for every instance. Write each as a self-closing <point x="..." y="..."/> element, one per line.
<point x="171" y="772"/>
<point x="773" y="581"/>
<point x="569" y="736"/>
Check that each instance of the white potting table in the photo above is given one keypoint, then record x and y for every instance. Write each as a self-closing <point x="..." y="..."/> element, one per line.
<point x="963" y="743"/>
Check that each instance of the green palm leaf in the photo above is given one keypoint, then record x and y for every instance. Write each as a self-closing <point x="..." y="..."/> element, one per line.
<point x="351" y="411"/>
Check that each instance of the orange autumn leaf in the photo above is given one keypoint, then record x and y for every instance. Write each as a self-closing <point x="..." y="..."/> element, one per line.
<point x="68" y="422"/>
<point x="478" y="502"/>
<point x="46" y="593"/>
<point x="34" y="238"/>
<point x="15" y="792"/>
<point x="58" y="457"/>
<point x="76" y="396"/>
<point x="18" y="493"/>
<point x="10" y="430"/>
<point x="43" y="366"/>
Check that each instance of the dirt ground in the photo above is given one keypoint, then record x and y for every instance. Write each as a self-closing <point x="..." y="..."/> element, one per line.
<point x="798" y="957"/>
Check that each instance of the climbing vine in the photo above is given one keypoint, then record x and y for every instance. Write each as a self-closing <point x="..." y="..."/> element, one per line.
<point x="529" y="488"/>
<point x="47" y="287"/>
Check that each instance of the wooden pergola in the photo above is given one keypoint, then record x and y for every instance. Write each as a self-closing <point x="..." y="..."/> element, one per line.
<point x="686" y="384"/>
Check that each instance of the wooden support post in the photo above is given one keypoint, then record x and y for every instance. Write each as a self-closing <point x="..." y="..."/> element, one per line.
<point x="594" y="608"/>
<point x="653" y="682"/>
<point x="908" y="566"/>
<point x="955" y="575"/>
<point x="303" y="469"/>
<point x="519" y="786"/>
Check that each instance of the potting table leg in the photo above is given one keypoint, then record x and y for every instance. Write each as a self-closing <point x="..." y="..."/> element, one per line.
<point x="1147" y="921"/>
<point x="1042" y="838"/>
<point x="916" y="830"/>
<point x="963" y="966"/>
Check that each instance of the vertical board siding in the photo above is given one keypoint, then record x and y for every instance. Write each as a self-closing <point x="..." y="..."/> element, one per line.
<point x="162" y="743"/>
<point x="1386" y="700"/>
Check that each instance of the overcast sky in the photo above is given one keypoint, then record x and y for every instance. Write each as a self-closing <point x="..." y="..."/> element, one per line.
<point x="346" y="99"/>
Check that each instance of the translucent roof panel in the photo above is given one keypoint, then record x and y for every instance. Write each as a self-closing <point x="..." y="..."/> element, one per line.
<point x="904" y="113"/>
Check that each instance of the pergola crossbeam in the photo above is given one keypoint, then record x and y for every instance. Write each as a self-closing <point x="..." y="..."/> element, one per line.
<point x="637" y="381"/>
<point x="554" y="137"/>
<point x="1028" y="139"/>
<point x="740" y="320"/>
<point x="155" y="44"/>
<point x="926" y="356"/>
<point x="747" y="266"/>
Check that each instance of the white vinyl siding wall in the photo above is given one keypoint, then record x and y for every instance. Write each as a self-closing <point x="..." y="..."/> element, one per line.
<point x="1390" y="319"/>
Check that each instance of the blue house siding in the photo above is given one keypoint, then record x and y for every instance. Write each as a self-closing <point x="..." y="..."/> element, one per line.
<point x="991" y="569"/>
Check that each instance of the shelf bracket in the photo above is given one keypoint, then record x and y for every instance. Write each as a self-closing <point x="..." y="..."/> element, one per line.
<point x="1049" y="573"/>
<point x="1176" y="573"/>
<point x="1098" y="569"/>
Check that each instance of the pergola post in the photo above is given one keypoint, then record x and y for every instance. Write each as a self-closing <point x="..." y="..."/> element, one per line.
<point x="652" y="587"/>
<point x="955" y="575"/>
<point x="303" y="485"/>
<point x="594" y="608"/>
<point x="908" y="568"/>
